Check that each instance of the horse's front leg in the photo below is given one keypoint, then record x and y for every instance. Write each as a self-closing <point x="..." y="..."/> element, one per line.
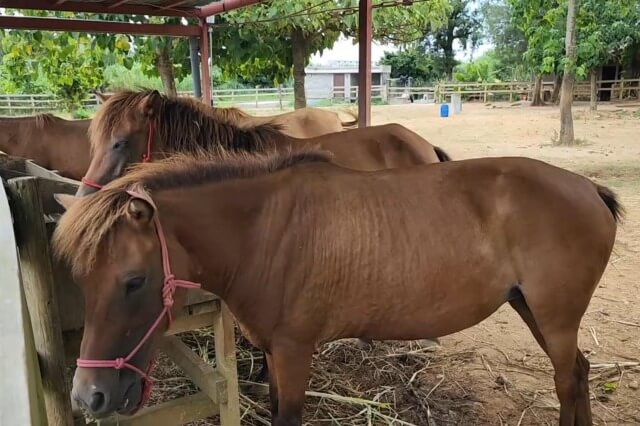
<point x="291" y="367"/>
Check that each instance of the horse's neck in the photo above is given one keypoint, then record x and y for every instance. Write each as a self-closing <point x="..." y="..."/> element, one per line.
<point x="217" y="229"/>
<point x="10" y="139"/>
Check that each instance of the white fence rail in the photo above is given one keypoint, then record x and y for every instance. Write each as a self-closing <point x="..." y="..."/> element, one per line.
<point x="282" y="97"/>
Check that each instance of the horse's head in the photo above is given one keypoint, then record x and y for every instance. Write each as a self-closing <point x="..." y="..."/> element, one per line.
<point x="121" y="133"/>
<point x="114" y="244"/>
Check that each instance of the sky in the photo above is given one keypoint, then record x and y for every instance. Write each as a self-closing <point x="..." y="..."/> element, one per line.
<point x="345" y="50"/>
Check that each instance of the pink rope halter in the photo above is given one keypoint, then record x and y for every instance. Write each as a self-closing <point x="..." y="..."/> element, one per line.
<point x="146" y="157"/>
<point x="168" y="289"/>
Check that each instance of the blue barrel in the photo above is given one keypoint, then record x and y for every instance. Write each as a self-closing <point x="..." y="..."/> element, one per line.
<point x="444" y="110"/>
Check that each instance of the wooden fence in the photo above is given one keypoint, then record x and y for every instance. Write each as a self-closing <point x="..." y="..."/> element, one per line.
<point x="511" y="91"/>
<point x="52" y="328"/>
<point x="281" y="98"/>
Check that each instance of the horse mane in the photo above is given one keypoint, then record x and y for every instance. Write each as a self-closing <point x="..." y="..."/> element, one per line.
<point x="45" y="118"/>
<point x="87" y="225"/>
<point x="231" y="115"/>
<point x="183" y="124"/>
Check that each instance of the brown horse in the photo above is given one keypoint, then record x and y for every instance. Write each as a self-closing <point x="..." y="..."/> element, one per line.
<point x="50" y="141"/>
<point x="302" y="123"/>
<point x="304" y="252"/>
<point x="131" y="125"/>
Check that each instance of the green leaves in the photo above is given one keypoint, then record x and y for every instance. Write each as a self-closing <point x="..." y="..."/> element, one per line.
<point x="66" y="64"/>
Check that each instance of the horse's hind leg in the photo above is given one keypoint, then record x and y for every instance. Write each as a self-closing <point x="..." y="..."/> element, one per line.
<point x="571" y="370"/>
<point x="583" y="405"/>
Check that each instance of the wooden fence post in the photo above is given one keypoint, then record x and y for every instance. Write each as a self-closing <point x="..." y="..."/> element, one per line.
<point x="280" y="96"/>
<point x="256" y="97"/>
<point x="37" y="278"/>
<point x="226" y="364"/>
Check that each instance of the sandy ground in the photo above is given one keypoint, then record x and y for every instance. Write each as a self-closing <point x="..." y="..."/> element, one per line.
<point x="508" y="380"/>
<point x="493" y="373"/>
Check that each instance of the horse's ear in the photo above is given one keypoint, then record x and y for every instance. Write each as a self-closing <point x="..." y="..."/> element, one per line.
<point x="151" y="104"/>
<point x="65" y="200"/>
<point x="139" y="211"/>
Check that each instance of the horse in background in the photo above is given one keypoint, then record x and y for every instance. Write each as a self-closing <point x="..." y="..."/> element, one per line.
<point x="302" y="123"/>
<point x="51" y="142"/>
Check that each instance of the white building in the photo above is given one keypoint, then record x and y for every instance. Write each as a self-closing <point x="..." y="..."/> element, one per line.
<point x="339" y="80"/>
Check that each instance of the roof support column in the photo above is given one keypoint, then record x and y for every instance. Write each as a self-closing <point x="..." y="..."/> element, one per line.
<point x="204" y="62"/>
<point x="365" y="33"/>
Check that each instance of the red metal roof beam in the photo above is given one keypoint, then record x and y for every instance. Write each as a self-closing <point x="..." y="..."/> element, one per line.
<point x="99" y="7"/>
<point x="224" y="6"/>
<point x="54" y="24"/>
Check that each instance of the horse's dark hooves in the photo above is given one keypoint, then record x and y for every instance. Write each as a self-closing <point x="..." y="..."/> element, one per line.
<point x="364" y="344"/>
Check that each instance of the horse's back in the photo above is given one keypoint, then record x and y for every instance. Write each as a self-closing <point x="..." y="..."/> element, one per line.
<point x="431" y="235"/>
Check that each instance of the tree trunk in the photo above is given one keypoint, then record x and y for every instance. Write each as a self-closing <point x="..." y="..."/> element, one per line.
<point x="537" y="92"/>
<point x="300" y="55"/>
<point x="557" y="84"/>
<point x="165" y="70"/>
<point x="568" y="80"/>
<point x="593" y="100"/>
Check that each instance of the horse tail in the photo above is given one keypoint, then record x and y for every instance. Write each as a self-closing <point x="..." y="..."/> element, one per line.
<point x="442" y="155"/>
<point x="610" y="199"/>
<point x="352" y="123"/>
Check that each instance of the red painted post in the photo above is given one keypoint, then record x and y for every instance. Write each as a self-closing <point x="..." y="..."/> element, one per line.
<point x="365" y="32"/>
<point x="204" y="62"/>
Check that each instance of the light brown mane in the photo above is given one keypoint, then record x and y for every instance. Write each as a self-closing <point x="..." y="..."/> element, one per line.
<point x="231" y="115"/>
<point x="183" y="124"/>
<point x="86" y="227"/>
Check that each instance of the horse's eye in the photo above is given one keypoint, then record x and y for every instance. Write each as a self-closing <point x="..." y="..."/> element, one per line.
<point x="134" y="284"/>
<point x="120" y="144"/>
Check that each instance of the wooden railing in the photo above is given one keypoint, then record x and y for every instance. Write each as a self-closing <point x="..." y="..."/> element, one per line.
<point x="513" y="90"/>
<point x="283" y="98"/>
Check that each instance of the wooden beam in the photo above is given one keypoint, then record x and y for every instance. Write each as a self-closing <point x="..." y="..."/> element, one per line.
<point x="176" y="412"/>
<point x="224" y="6"/>
<point x="365" y="32"/>
<point x="55" y="24"/>
<point x="202" y="374"/>
<point x="37" y="279"/>
<point x="204" y="62"/>
<point x="97" y="7"/>
<point x="225" y="341"/>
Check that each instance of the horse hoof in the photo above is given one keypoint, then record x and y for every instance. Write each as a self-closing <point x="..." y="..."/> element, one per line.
<point x="364" y="345"/>
<point x="255" y="389"/>
<point x="428" y="343"/>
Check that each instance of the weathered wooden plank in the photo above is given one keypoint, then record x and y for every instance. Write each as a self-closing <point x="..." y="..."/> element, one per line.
<point x="226" y="365"/>
<point x="22" y="402"/>
<point x="203" y="375"/>
<point x="34" y="169"/>
<point x="190" y="322"/>
<point x="37" y="278"/>
<point x="171" y="413"/>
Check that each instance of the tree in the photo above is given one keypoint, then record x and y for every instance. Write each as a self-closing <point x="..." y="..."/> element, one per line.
<point x="606" y="31"/>
<point x="413" y="62"/>
<point x="542" y="22"/>
<point x="463" y="25"/>
<point x="282" y="36"/>
<point x="568" y="80"/>
<point x="508" y="39"/>
<point x="70" y="64"/>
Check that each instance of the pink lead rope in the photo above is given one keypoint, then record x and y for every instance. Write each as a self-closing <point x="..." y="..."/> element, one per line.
<point x="168" y="289"/>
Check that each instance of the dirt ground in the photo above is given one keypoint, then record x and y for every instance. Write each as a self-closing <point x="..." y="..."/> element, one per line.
<point x="495" y="373"/>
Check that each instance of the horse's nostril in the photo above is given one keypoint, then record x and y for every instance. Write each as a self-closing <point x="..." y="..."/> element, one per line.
<point x="97" y="402"/>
